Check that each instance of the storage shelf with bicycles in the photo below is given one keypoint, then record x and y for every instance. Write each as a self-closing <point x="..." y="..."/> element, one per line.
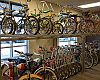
<point x="66" y="23"/>
<point x="60" y="62"/>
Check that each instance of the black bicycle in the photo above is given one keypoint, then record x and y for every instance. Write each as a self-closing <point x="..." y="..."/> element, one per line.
<point x="26" y="25"/>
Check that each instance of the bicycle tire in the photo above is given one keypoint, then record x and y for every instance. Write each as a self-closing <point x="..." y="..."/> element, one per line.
<point x="70" y="26"/>
<point x="79" y="66"/>
<point x="45" y="26"/>
<point x="73" y="69"/>
<point x="97" y="27"/>
<point x="66" y="72"/>
<point x="6" y="76"/>
<point x="57" y="70"/>
<point x="6" y="72"/>
<point x="32" y="77"/>
<point x="42" y="69"/>
<point x="58" y="28"/>
<point x="86" y="26"/>
<point x="8" y="26"/>
<point x="31" y="26"/>
<point x="88" y="64"/>
<point x="20" y="27"/>
<point x="62" y="74"/>
<point x="96" y="59"/>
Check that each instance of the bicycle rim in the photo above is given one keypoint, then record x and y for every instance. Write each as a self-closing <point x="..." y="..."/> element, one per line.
<point x="6" y="73"/>
<point x="86" y="26"/>
<point x="47" y="74"/>
<point x="31" y="26"/>
<point x="20" y="28"/>
<point x="75" y="67"/>
<point x="79" y="66"/>
<point x="70" y="26"/>
<point x="88" y="61"/>
<point x="96" y="59"/>
<point x="8" y="26"/>
<point x="66" y="71"/>
<point x="58" y="28"/>
<point x="45" y="26"/>
<point x="31" y="77"/>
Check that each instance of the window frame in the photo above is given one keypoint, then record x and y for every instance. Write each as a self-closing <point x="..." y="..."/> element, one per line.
<point x="67" y="40"/>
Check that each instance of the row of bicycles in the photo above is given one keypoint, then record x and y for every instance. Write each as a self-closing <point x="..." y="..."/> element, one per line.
<point x="63" y="61"/>
<point x="45" y="67"/>
<point x="27" y="69"/>
<point x="92" y="51"/>
<point x="58" y="63"/>
<point x="63" y="23"/>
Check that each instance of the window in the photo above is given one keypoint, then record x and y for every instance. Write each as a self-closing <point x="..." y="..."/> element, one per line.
<point x="8" y="47"/>
<point x="67" y="41"/>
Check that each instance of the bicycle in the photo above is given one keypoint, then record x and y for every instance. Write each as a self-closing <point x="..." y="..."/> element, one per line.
<point x="45" y="71"/>
<point x="11" y="74"/>
<point x="67" y="20"/>
<point x="26" y="25"/>
<point x="86" y="24"/>
<point x="44" y="22"/>
<point x="93" y="48"/>
<point x="62" y="65"/>
<point x="56" y="25"/>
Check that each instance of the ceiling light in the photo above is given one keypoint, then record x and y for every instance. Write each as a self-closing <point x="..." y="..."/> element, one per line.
<point x="90" y="5"/>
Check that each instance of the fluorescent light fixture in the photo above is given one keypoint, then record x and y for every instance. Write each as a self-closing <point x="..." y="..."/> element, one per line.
<point x="90" y="5"/>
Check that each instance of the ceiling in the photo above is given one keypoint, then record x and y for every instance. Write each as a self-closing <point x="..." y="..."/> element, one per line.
<point x="76" y="3"/>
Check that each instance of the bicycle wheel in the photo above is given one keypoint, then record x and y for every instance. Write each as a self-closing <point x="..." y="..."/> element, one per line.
<point x="75" y="67"/>
<point x="58" y="70"/>
<point x="31" y="26"/>
<point x="6" y="72"/>
<point x="70" y="26"/>
<point x="97" y="27"/>
<point x="47" y="73"/>
<point x="8" y="26"/>
<point x="20" y="27"/>
<point x="45" y="26"/>
<point x="96" y="58"/>
<point x="88" y="60"/>
<point x="86" y="26"/>
<point x="79" y="66"/>
<point x="58" y="28"/>
<point x="31" y="77"/>
<point x="62" y="74"/>
<point x="66" y="72"/>
<point x="73" y="70"/>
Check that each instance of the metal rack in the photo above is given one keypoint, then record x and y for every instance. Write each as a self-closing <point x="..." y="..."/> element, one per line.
<point x="9" y="37"/>
<point x="30" y="37"/>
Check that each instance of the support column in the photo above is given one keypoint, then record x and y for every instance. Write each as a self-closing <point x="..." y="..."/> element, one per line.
<point x="83" y="38"/>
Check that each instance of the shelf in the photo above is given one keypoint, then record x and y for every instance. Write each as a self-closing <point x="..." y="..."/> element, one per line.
<point x="30" y="37"/>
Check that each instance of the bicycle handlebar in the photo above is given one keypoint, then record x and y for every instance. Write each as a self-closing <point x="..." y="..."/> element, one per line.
<point x="24" y="54"/>
<point x="2" y="7"/>
<point x="19" y="52"/>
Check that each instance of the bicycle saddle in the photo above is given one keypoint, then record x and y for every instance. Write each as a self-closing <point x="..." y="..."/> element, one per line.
<point x="74" y="15"/>
<point x="65" y="13"/>
<point x="12" y="59"/>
